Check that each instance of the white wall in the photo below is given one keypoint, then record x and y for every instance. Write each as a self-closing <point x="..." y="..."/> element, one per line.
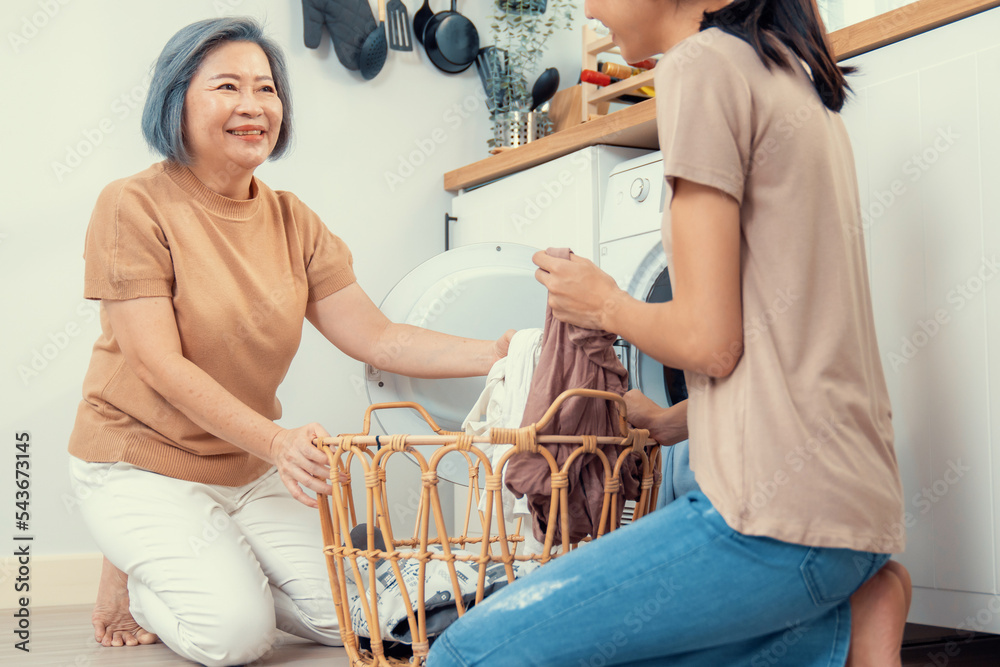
<point x="77" y="84"/>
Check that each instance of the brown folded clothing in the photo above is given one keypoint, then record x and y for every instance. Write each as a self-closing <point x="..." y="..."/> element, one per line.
<point x="573" y="357"/>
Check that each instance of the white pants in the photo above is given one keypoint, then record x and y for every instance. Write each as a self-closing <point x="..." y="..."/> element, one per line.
<point x="212" y="570"/>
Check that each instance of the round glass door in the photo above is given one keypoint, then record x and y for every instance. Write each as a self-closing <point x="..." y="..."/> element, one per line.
<point x="664" y="385"/>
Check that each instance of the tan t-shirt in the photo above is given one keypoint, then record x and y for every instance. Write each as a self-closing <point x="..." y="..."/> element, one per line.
<point x="797" y="443"/>
<point x="239" y="273"/>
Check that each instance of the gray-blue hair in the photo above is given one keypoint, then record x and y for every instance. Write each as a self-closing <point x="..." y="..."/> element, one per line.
<point x="163" y="114"/>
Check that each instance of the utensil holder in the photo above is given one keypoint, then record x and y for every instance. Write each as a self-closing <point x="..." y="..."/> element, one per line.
<point x="516" y="128"/>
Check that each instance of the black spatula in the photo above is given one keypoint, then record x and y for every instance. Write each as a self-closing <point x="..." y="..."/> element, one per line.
<point x="399" y="26"/>
<point x="492" y="65"/>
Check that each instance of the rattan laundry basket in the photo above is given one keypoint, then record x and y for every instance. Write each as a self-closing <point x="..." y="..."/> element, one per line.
<point x="500" y="536"/>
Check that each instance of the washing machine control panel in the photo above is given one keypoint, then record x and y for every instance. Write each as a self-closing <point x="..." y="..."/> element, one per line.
<point x="640" y="189"/>
<point x="633" y="204"/>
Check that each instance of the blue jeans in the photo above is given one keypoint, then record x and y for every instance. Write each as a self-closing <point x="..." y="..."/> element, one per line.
<point x="679" y="588"/>
<point x="678" y="478"/>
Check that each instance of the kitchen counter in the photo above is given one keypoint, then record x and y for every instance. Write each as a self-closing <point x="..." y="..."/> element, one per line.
<point x="635" y="126"/>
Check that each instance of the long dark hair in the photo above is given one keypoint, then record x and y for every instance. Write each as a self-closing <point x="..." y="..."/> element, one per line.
<point x="797" y="25"/>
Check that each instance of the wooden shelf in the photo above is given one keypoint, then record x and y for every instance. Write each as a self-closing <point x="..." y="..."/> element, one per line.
<point x="623" y="87"/>
<point x="635" y="126"/>
<point x="907" y="21"/>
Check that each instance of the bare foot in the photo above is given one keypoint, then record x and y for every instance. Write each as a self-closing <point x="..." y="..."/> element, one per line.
<point x="878" y="616"/>
<point x="113" y="622"/>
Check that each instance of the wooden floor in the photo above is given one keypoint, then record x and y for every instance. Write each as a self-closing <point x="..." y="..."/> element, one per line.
<point x="62" y="637"/>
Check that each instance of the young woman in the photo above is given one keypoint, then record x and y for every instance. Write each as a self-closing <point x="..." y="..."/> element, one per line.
<point x="788" y="416"/>
<point x="205" y="277"/>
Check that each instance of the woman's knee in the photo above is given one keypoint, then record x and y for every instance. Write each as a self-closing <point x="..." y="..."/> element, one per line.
<point x="900" y="577"/>
<point x="900" y="571"/>
<point x="234" y="637"/>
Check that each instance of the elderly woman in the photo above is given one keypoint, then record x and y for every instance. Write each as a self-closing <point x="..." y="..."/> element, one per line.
<point x="205" y="275"/>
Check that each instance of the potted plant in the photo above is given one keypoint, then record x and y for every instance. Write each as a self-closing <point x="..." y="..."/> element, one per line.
<point x="520" y="31"/>
<point x="523" y="6"/>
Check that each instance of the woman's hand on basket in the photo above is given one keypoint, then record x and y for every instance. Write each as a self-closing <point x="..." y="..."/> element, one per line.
<point x="299" y="462"/>
<point x="667" y="426"/>
<point x="579" y="292"/>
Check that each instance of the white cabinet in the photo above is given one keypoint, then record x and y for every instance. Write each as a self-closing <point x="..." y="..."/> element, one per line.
<point x="924" y="125"/>
<point x="556" y="204"/>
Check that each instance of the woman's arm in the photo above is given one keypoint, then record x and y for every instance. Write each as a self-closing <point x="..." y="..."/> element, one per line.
<point x="701" y="328"/>
<point x="667" y="426"/>
<point x="353" y="323"/>
<point x="146" y="331"/>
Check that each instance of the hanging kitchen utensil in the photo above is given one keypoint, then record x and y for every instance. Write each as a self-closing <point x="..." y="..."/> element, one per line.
<point x="451" y="41"/>
<point x="420" y="19"/>
<point x="375" y="49"/>
<point x="349" y="23"/>
<point x="399" y="26"/>
<point x="545" y="87"/>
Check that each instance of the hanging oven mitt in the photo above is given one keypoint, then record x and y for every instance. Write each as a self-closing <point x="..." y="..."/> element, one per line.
<point x="349" y="22"/>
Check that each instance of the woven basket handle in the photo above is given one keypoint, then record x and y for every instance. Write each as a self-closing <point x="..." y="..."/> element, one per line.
<point x="401" y="404"/>
<point x="587" y="393"/>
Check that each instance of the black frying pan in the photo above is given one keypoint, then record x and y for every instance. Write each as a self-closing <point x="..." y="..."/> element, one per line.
<point x="451" y="41"/>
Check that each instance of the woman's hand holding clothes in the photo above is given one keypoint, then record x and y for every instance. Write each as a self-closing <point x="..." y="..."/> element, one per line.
<point x="502" y="345"/>
<point x="299" y="462"/>
<point x="579" y="292"/>
<point x="701" y="328"/>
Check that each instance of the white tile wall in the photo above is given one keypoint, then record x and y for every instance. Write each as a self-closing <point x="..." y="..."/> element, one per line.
<point x="988" y="65"/>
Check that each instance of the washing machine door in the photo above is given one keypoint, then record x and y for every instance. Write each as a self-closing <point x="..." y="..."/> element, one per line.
<point x="475" y="291"/>
<point x="651" y="283"/>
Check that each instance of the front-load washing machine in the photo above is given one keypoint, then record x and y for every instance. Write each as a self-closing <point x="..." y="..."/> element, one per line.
<point x="476" y="291"/>
<point x="631" y="251"/>
<point x="487" y="284"/>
